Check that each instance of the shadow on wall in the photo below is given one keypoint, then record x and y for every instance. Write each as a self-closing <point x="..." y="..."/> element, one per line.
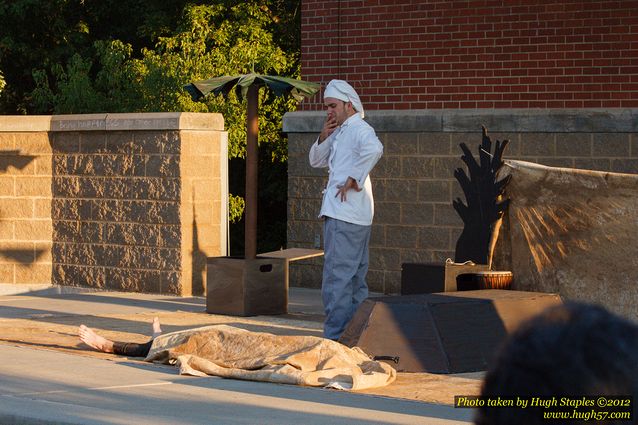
<point x="198" y="256"/>
<point x="13" y="158"/>
<point x="24" y="256"/>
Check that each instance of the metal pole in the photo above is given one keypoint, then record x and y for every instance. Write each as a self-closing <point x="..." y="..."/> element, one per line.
<point x="252" y="133"/>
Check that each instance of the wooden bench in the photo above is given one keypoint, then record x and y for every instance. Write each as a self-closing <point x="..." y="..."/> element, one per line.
<point x="293" y="254"/>
<point x="241" y="287"/>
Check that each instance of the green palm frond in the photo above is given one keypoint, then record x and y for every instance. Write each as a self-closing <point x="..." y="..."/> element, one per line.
<point x="279" y="85"/>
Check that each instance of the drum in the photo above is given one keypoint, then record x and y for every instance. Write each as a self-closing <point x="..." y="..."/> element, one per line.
<point x="494" y="280"/>
<point x="484" y="280"/>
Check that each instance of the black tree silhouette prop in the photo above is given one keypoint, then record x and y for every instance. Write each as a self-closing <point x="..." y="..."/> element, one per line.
<point x="484" y="197"/>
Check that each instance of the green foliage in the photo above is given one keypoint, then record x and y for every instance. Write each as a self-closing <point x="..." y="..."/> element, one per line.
<point x="215" y="41"/>
<point x="79" y="89"/>
<point x="144" y="65"/>
<point x="210" y="41"/>
<point x="236" y="206"/>
<point x="75" y="89"/>
<point x="37" y="34"/>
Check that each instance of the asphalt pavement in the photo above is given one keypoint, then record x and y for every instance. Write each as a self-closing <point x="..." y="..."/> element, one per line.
<point x="48" y="377"/>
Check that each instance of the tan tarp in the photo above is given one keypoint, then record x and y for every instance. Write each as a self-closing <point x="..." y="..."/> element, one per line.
<point x="572" y="232"/>
<point x="230" y="352"/>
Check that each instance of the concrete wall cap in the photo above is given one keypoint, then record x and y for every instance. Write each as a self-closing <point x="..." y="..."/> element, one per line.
<point x="30" y="123"/>
<point x="113" y="122"/>
<point x="469" y="120"/>
<point x="165" y="121"/>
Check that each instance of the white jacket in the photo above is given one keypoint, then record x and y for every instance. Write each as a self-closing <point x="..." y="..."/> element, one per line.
<point x="352" y="150"/>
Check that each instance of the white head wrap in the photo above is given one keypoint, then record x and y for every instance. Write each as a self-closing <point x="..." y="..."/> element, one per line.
<point x="341" y="90"/>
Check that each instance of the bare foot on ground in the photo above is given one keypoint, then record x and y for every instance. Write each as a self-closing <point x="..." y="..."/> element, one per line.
<point x="90" y="338"/>
<point x="157" y="329"/>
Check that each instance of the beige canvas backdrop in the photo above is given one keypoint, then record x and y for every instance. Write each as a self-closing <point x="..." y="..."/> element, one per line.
<point x="572" y="232"/>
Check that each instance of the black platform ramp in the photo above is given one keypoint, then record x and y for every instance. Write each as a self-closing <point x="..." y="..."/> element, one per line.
<point x="450" y="332"/>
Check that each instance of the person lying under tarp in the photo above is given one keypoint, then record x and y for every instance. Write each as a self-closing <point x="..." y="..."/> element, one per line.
<point x="231" y="352"/>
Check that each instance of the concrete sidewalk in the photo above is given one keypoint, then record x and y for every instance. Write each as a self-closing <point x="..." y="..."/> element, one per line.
<point x="48" y="376"/>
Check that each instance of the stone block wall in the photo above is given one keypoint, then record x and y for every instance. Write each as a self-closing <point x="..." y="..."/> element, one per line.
<point x="133" y="202"/>
<point x="413" y="183"/>
<point x="25" y="203"/>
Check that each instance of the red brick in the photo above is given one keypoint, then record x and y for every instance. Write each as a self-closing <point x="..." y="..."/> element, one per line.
<point x="449" y="48"/>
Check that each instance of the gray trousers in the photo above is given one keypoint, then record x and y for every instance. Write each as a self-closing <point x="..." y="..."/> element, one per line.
<point x="345" y="267"/>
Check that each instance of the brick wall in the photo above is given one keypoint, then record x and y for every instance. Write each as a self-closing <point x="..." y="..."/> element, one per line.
<point x="413" y="183"/>
<point x="418" y="54"/>
<point x="129" y="202"/>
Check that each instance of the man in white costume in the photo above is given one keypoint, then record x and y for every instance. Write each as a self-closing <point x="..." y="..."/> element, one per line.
<point x="349" y="147"/>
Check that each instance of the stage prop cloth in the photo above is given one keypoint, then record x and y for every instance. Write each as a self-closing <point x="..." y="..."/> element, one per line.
<point x="572" y="232"/>
<point x="230" y="352"/>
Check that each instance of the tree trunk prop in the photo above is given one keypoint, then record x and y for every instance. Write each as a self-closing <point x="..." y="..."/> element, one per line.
<point x="252" y="172"/>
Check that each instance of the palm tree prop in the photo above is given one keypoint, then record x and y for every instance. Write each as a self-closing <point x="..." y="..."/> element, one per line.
<point x="247" y="86"/>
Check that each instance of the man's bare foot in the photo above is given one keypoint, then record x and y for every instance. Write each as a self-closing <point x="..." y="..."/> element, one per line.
<point x="90" y="338"/>
<point x="157" y="329"/>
